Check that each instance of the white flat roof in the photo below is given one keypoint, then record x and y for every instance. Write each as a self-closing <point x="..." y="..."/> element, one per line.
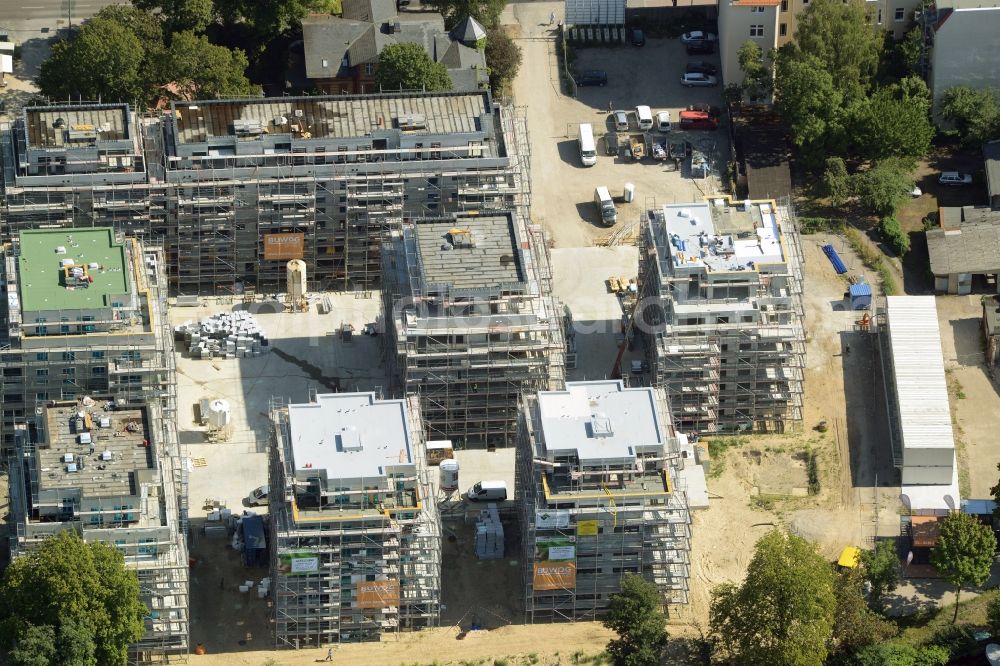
<point x="703" y="244"/>
<point x="350" y="435"/>
<point x="600" y="421"/>
<point x="938" y="500"/>
<point x="921" y="389"/>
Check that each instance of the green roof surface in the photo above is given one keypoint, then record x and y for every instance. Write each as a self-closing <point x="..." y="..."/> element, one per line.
<point x="41" y="274"/>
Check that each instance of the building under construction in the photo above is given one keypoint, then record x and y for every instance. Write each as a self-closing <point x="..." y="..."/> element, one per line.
<point x="470" y="322"/>
<point x="112" y="475"/>
<point x="239" y="187"/>
<point x="356" y="539"/>
<point x="722" y="319"/>
<point x="83" y="315"/>
<point x="600" y="496"/>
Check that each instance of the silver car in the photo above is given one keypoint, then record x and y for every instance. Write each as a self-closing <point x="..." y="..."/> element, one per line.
<point x="692" y="79"/>
<point x="621" y="121"/>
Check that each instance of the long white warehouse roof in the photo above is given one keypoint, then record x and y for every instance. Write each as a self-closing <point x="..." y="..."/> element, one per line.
<point x="921" y="388"/>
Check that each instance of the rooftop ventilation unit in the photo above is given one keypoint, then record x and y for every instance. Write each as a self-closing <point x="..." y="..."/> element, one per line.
<point x="411" y="121"/>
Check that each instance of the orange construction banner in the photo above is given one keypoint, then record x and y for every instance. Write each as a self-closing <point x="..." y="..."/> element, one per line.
<point x="554" y="576"/>
<point x="378" y="593"/>
<point x="278" y="247"/>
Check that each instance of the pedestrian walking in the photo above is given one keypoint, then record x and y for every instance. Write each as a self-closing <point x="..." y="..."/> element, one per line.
<point x="552" y="18"/>
<point x="329" y="654"/>
<point x="611" y="106"/>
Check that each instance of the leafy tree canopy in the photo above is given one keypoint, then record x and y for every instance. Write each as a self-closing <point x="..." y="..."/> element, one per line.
<point x="894" y="122"/>
<point x="503" y="57"/>
<point x="205" y="71"/>
<point x="856" y="626"/>
<point x="881" y="569"/>
<point x="180" y="15"/>
<point x="268" y="18"/>
<point x="634" y="614"/>
<point x="840" y="35"/>
<point x="897" y="653"/>
<point x="102" y="60"/>
<point x="407" y="66"/>
<point x="783" y="612"/>
<point x="757" y="80"/>
<point x="884" y="186"/>
<point x="964" y="552"/>
<point x="82" y="589"/>
<point x="487" y="12"/>
<point x="810" y="102"/>
<point x="975" y="113"/>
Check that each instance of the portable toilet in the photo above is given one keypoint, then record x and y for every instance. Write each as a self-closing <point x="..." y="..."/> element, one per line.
<point x="861" y="296"/>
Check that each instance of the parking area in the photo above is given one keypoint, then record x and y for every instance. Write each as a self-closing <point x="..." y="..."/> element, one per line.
<point x="562" y="188"/>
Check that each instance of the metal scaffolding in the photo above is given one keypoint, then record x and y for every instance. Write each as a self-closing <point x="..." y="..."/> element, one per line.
<point x="374" y="553"/>
<point x="606" y="519"/>
<point x="729" y="346"/>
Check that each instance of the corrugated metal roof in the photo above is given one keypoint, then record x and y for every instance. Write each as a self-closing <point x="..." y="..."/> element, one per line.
<point x="921" y="389"/>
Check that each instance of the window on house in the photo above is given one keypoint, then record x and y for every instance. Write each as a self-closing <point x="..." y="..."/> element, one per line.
<point x="757" y="30"/>
<point x="370" y="69"/>
<point x="97" y="354"/>
<point x="784" y="5"/>
<point x="783" y="29"/>
<point x="900" y="15"/>
<point x="42" y="372"/>
<point x="42" y="356"/>
<point x="69" y="356"/>
<point x="756" y="10"/>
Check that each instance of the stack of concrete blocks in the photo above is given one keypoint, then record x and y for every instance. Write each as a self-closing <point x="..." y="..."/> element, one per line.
<point x="224" y="335"/>
<point x="489" y="534"/>
<point x="264" y="588"/>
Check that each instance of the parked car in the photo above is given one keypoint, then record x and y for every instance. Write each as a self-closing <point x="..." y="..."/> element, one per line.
<point x="663" y="121"/>
<point x="704" y="107"/>
<point x="592" y="77"/>
<point x="700" y="47"/>
<point x="954" y="178"/>
<point x="638" y="39"/>
<point x="257" y="497"/>
<point x="701" y="67"/>
<point x="698" y="36"/>
<point x="620" y="119"/>
<point x="695" y="79"/>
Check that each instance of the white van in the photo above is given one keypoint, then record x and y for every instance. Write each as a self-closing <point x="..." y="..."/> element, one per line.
<point x="588" y="149"/>
<point x="605" y="206"/>
<point x="487" y="491"/>
<point x="644" y="116"/>
<point x="257" y="497"/>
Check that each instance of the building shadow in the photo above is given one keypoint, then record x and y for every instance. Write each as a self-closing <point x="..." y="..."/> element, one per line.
<point x="866" y="427"/>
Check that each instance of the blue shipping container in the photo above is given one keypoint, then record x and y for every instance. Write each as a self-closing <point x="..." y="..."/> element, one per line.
<point x="861" y="296"/>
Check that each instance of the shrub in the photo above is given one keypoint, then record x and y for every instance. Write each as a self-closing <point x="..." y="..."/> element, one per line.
<point x="896" y="238"/>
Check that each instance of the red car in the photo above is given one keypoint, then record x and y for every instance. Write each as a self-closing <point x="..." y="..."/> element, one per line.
<point x="698" y="120"/>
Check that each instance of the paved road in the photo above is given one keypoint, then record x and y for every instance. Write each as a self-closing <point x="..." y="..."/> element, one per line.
<point x="13" y="12"/>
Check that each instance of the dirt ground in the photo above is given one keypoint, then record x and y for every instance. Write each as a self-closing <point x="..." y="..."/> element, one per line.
<point x="542" y="644"/>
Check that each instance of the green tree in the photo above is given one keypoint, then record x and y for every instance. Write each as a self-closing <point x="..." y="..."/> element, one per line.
<point x="35" y="646"/>
<point x="909" y="50"/>
<point x="964" y="552"/>
<point x="487" y="12"/>
<point x="894" y="235"/>
<point x="634" y="614"/>
<point x="269" y="18"/>
<point x="840" y="35"/>
<point x="203" y="70"/>
<point x="783" y="612"/>
<point x="884" y="186"/>
<point x="85" y="589"/>
<point x="102" y="60"/>
<point x="503" y="57"/>
<point x="881" y="569"/>
<point x="975" y="113"/>
<point x="898" y="653"/>
<point x="810" y="102"/>
<point x="147" y="27"/>
<point x="856" y="626"/>
<point x="757" y="80"/>
<point x="893" y="122"/>
<point x="180" y="15"/>
<point x="836" y="181"/>
<point x="406" y="66"/>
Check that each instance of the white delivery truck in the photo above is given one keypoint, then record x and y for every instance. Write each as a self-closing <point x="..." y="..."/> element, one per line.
<point x="588" y="149"/>
<point x="605" y="206"/>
